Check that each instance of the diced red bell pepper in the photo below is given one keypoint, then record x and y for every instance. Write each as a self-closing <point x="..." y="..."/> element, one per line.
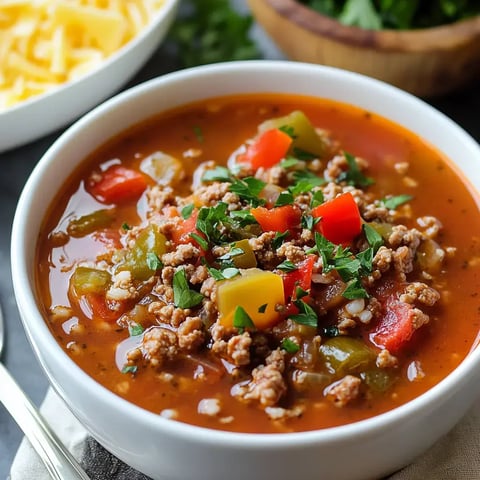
<point x="117" y="184"/>
<point x="301" y="277"/>
<point x="101" y="309"/>
<point x="340" y="220"/>
<point x="182" y="233"/>
<point x="396" y="327"/>
<point x="268" y="149"/>
<point x="278" y="219"/>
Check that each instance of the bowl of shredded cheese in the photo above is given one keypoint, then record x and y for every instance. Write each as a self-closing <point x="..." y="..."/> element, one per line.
<point x="59" y="58"/>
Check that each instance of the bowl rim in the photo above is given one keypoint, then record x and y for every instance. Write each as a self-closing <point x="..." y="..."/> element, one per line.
<point x="67" y="86"/>
<point x="438" y="38"/>
<point x="33" y="319"/>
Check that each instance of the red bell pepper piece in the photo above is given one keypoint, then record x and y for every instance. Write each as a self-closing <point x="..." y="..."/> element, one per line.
<point x="268" y="149"/>
<point x="100" y="308"/>
<point x="182" y="233"/>
<point x="396" y="327"/>
<point x="301" y="277"/>
<point x="117" y="184"/>
<point x="278" y="219"/>
<point x="340" y="220"/>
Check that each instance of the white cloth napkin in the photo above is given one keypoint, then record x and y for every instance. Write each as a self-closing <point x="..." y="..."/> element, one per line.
<point x="454" y="457"/>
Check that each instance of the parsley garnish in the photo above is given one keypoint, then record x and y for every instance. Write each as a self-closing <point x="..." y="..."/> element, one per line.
<point x="355" y="290"/>
<point x="153" y="262"/>
<point x="278" y="239"/>
<point x="394" y="202"/>
<point x="135" y="329"/>
<point x="200" y="240"/>
<point x="307" y="315"/>
<point x="129" y="369"/>
<point x="289" y="162"/>
<point x="226" y="259"/>
<point x="303" y="154"/>
<point x="187" y="210"/>
<point x="224" y="274"/>
<point x="285" y="198"/>
<point x="243" y="217"/>
<point x="374" y="239"/>
<point x="287" y="266"/>
<point x="262" y="308"/>
<point x="353" y="176"/>
<point x="290" y="346"/>
<point x="310" y="177"/>
<point x="248" y="190"/>
<point x="241" y="319"/>
<point x="289" y="130"/>
<point x="211" y="222"/>
<point x="183" y="296"/>
<point x="126" y="226"/>
<point x="331" y="331"/>
<point x="317" y="199"/>
<point x="217" y="174"/>
<point x="309" y="222"/>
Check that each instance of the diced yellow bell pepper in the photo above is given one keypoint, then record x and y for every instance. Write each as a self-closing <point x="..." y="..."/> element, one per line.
<point x="246" y="259"/>
<point x="257" y="292"/>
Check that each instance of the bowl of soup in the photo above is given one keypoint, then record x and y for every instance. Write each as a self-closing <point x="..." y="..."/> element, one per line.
<point x="256" y="269"/>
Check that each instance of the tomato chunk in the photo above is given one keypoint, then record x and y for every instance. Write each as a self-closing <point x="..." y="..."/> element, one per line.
<point x="340" y="220"/>
<point x="268" y="149"/>
<point x="182" y="233"/>
<point x="301" y="277"/>
<point x="278" y="219"/>
<point x="396" y="327"/>
<point x="117" y="184"/>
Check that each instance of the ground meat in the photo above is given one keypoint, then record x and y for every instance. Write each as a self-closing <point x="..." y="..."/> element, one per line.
<point x="209" y="406"/>
<point x="210" y="195"/>
<point x="191" y="334"/>
<point x="276" y="175"/>
<point x="331" y="190"/>
<point x="158" y="197"/>
<point x="386" y="360"/>
<point x="418" y="291"/>
<point x="261" y="245"/>
<point x="372" y="211"/>
<point x="167" y="275"/>
<point x="159" y="345"/>
<point x="168" y="314"/>
<point x="383" y="259"/>
<point x="419" y="318"/>
<point x="122" y="287"/>
<point x="431" y="226"/>
<point x="401" y="235"/>
<point x="403" y="260"/>
<point x="344" y="391"/>
<point x="238" y="349"/>
<point x="209" y="289"/>
<point x="267" y="385"/>
<point x="291" y="252"/>
<point x="199" y="275"/>
<point x="182" y="254"/>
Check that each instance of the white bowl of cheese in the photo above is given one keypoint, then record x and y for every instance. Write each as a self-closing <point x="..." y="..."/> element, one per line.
<point x="60" y="58"/>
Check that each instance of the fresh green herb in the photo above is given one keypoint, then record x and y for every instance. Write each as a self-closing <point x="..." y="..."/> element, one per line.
<point x="126" y="227"/>
<point x="211" y="221"/>
<point x="307" y="315"/>
<point x="366" y="261"/>
<point x="224" y="274"/>
<point x="135" y="329"/>
<point x="289" y="130"/>
<point x="183" y="296"/>
<point x="213" y="31"/>
<point x="353" y="176"/>
<point x="233" y="252"/>
<point x="309" y="222"/>
<point x="331" y="331"/>
<point x="187" y="210"/>
<point x="129" y="369"/>
<point x="374" y="239"/>
<point x="248" y="190"/>
<point x="290" y="346"/>
<point x="278" y="239"/>
<point x="242" y="320"/>
<point x="285" y="198"/>
<point x="200" y="240"/>
<point x="317" y="199"/>
<point x="198" y="133"/>
<point x="217" y="174"/>
<point x="325" y="249"/>
<point x="243" y="217"/>
<point x="153" y="262"/>
<point x="396" y="14"/>
<point x="310" y="177"/>
<point x="303" y="154"/>
<point x="262" y="308"/>
<point x="289" y="162"/>
<point x="287" y="266"/>
<point x="300" y="293"/>
<point x="394" y="202"/>
<point x="355" y="290"/>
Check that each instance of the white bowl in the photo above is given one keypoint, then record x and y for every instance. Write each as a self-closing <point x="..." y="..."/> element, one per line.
<point x="45" y="113"/>
<point x="170" y="450"/>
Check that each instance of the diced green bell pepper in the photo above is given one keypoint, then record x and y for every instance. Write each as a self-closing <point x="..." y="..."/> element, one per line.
<point x="90" y="280"/>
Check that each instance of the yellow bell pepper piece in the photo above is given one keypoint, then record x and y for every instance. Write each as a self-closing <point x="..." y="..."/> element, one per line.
<point x="246" y="259"/>
<point x="257" y="292"/>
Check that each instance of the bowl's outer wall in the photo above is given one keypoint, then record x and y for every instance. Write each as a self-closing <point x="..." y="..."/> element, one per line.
<point x="59" y="107"/>
<point x="169" y="450"/>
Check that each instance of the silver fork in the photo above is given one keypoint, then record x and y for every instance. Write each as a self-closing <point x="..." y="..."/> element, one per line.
<point x="59" y="462"/>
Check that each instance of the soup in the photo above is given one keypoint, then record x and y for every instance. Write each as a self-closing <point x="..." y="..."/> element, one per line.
<point x="266" y="263"/>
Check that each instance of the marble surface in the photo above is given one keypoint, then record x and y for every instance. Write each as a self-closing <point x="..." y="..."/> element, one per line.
<point x="16" y="165"/>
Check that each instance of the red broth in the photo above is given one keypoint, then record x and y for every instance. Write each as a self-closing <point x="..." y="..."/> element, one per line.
<point x="213" y="130"/>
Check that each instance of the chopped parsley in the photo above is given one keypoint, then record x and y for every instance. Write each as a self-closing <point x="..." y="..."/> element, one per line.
<point x="278" y="239"/>
<point x="187" y="211"/>
<point x="211" y="222"/>
<point x="217" y="174"/>
<point x="289" y="162"/>
<point x="248" y="189"/>
<point x="200" y="240"/>
<point x="353" y="176"/>
<point x="242" y="320"/>
<point x="374" y="239"/>
<point x="285" y="198"/>
<point x="129" y="369"/>
<point x="317" y="199"/>
<point x="307" y="315"/>
<point x="290" y="346"/>
<point x="126" y="227"/>
<point x="289" y="130"/>
<point x="153" y="262"/>
<point x="183" y="296"/>
<point x="394" y="202"/>
<point x="224" y="274"/>
<point x="135" y="329"/>
<point x="287" y="266"/>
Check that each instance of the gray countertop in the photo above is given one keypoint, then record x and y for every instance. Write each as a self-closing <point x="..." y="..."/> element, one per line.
<point x="16" y="165"/>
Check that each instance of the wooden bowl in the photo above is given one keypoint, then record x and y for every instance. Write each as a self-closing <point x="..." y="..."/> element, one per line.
<point x="425" y="62"/>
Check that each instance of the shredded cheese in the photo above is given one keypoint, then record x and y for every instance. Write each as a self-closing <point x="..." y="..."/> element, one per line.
<point x="45" y="43"/>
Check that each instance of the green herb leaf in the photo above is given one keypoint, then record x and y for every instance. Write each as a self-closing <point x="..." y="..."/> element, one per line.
<point x="289" y="130"/>
<point x="135" y="329"/>
<point x="278" y="239"/>
<point x="211" y="221"/>
<point x="307" y="315"/>
<point x="309" y="177"/>
<point x="331" y="331"/>
<point x="224" y="274"/>
<point x="309" y="222"/>
<point x="289" y="162"/>
<point x="317" y="199"/>
<point x="129" y="369"/>
<point x="200" y="240"/>
<point x="287" y="266"/>
<point x="248" y="190"/>
<point x="126" y="226"/>
<point x="241" y="319"/>
<point x="262" y="308"/>
<point x="303" y="154"/>
<point x="217" y="174"/>
<point x="290" y="346"/>
<point x="153" y="262"/>
<point x="374" y="239"/>
<point x="285" y="198"/>
<point x="183" y="296"/>
<point x="353" y="176"/>
<point x="394" y="202"/>
<point x="187" y="210"/>
<point x="355" y="290"/>
<point x="360" y="13"/>
<point x="300" y="293"/>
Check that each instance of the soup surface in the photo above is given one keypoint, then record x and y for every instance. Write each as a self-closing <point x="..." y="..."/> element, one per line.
<point x="264" y="264"/>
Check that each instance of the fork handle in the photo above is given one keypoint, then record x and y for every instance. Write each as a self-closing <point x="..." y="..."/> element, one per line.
<point x="59" y="462"/>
